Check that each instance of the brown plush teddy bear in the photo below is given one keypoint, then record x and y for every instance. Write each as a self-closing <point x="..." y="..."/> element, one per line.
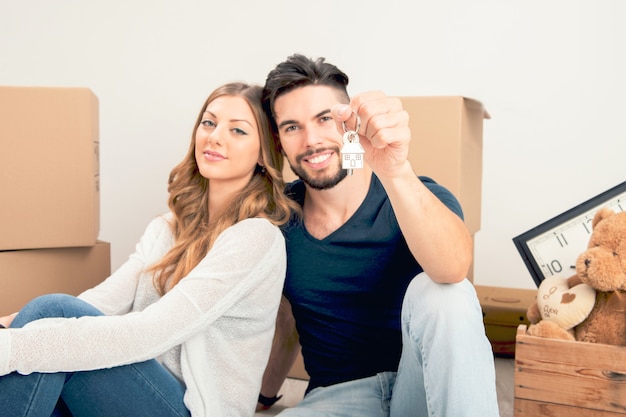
<point x="591" y="305"/>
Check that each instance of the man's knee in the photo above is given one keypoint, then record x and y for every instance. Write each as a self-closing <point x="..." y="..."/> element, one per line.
<point x="430" y="299"/>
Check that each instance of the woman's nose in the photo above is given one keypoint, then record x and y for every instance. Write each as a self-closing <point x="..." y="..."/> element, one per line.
<point x="215" y="137"/>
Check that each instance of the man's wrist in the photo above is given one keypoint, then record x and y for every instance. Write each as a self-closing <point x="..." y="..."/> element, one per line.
<point x="267" y="402"/>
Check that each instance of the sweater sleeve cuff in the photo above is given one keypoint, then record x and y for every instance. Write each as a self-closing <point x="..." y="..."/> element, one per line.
<point x="5" y="351"/>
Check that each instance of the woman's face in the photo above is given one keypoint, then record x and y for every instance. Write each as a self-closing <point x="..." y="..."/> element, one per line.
<point x="228" y="145"/>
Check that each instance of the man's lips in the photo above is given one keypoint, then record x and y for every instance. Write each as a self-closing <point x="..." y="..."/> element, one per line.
<point x="318" y="158"/>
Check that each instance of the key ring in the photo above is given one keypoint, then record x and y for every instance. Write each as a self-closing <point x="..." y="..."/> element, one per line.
<point x="352" y="151"/>
<point x="354" y="132"/>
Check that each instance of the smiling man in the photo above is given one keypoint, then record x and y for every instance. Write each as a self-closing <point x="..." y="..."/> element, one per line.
<point x="387" y="321"/>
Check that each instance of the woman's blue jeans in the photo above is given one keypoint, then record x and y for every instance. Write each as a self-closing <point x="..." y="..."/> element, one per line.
<point x="446" y="369"/>
<point x="140" y="389"/>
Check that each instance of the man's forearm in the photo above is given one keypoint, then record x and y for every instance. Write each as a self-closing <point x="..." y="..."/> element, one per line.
<point x="285" y="349"/>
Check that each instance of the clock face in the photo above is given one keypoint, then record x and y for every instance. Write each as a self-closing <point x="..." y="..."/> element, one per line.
<point x="553" y="247"/>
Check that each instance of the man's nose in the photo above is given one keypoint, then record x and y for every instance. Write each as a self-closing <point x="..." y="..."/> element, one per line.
<point x="312" y="137"/>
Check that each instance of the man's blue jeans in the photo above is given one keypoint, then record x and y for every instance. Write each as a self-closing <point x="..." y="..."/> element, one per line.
<point x="446" y="369"/>
<point x="140" y="389"/>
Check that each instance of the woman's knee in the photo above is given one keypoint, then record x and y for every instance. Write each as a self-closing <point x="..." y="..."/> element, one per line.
<point x="53" y="305"/>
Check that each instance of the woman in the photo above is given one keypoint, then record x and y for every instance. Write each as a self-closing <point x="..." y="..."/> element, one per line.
<point x="185" y="326"/>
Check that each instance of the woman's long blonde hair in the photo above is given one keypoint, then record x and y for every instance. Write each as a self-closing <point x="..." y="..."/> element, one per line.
<point x="263" y="196"/>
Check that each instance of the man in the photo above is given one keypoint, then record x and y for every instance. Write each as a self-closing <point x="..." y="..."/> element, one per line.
<point x="387" y="321"/>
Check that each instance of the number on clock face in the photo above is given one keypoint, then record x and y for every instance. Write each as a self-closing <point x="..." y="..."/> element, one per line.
<point x="556" y="251"/>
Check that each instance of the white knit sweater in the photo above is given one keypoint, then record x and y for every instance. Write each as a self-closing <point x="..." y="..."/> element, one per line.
<point x="213" y="330"/>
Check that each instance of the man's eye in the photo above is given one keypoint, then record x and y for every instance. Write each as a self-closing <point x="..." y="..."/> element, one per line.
<point x="325" y="119"/>
<point x="291" y="128"/>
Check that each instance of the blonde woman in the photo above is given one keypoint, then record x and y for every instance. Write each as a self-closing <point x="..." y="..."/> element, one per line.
<point x="185" y="326"/>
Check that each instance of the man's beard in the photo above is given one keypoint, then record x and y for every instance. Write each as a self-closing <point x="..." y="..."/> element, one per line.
<point x="321" y="183"/>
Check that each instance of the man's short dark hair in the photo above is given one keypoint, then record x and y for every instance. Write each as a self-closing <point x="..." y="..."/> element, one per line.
<point x="299" y="71"/>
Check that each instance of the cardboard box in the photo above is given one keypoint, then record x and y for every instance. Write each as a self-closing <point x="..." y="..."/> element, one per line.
<point x="447" y="145"/>
<point x="562" y="378"/>
<point x="49" y="172"/>
<point x="504" y="309"/>
<point x="26" y="274"/>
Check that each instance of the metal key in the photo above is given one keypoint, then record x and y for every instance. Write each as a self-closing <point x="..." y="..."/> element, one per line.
<point x="352" y="151"/>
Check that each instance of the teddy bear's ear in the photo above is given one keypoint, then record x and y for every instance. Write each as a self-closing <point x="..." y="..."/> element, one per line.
<point x="602" y="214"/>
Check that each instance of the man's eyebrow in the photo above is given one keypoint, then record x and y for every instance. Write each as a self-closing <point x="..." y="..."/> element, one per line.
<point x="291" y="122"/>
<point x="286" y="122"/>
<point x="320" y="114"/>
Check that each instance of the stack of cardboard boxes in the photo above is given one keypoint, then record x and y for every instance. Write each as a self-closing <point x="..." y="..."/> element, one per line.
<point x="49" y="194"/>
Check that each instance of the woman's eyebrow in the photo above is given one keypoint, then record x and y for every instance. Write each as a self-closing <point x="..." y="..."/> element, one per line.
<point x="241" y="120"/>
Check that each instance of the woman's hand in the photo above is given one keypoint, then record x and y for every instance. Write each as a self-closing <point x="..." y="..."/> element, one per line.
<point x="7" y="320"/>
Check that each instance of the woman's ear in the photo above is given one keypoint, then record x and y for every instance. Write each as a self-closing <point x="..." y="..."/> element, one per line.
<point x="260" y="166"/>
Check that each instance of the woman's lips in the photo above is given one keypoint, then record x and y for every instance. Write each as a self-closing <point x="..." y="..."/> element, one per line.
<point x="214" y="156"/>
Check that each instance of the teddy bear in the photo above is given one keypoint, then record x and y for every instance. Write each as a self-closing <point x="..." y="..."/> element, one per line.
<point x="589" y="306"/>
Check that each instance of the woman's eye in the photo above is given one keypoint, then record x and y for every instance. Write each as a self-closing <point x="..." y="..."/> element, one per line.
<point x="239" y="131"/>
<point x="208" y="123"/>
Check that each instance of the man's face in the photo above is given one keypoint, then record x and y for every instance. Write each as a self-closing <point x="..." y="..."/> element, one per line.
<point x="309" y="135"/>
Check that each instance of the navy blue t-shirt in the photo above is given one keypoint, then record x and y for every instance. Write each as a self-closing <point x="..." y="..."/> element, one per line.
<point x="346" y="290"/>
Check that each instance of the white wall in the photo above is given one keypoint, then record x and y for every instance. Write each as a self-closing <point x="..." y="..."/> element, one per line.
<point x="551" y="73"/>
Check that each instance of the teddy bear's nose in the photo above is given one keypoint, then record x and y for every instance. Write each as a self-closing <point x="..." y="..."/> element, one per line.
<point x="587" y="262"/>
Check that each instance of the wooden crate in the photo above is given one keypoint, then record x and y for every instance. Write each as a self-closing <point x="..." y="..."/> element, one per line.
<point x="559" y="378"/>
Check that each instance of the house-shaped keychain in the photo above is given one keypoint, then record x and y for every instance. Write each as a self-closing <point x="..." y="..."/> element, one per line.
<point x="351" y="152"/>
